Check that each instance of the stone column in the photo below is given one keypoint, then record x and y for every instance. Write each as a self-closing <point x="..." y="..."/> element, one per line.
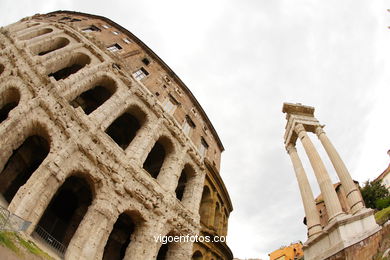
<point x="144" y="243"/>
<point x="171" y="170"/>
<point x="180" y="250"/>
<point x="193" y="191"/>
<point x="143" y="141"/>
<point x="352" y="193"/>
<point x="312" y="216"/>
<point x="92" y="234"/>
<point x="213" y="205"/>
<point x="328" y="192"/>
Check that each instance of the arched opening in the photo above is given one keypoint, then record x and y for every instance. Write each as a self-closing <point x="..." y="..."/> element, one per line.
<point x="36" y="33"/>
<point x="181" y="185"/>
<point x="120" y="237"/>
<point x="1" y="68"/>
<point x="156" y="157"/>
<point x="95" y="96"/>
<point x="49" y="46"/>
<point x="162" y="253"/>
<point x="186" y="175"/>
<point x="70" y="66"/>
<point x="205" y="206"/>
<point x="66" y="210"/>
<point x="125" y="127"/>
<point x="21" y="165"/>
<point x="197" y="256"/>
<point x="9" y="99"/>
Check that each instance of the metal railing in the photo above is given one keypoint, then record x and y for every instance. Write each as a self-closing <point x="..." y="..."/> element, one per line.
<point x="12" y="222"/>
<point x="50" y="240"/>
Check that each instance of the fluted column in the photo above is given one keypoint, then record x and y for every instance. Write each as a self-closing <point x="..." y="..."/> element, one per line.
<point x="328" y="192"/>
<point x="312" y="216"/>
<point x="354" y="199"/>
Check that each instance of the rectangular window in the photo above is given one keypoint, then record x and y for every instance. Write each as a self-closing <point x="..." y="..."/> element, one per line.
<point x="91" y="28"/>
<point x="170" y="104"/>
<point x="115" y="47"/>
<point x="188" y="125"/>
<point x="203" y="147"/>
<point x="126" y="40"/>
<point x="105" y="26"/>
<point x="140" y="74"/>
<point x="186" y="128"/>
<point x="115" y="32"/>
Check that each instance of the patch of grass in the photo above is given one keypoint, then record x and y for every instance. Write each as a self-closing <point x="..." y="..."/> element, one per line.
<point x="6" y="239"/>
<point x="382" y="216"/>
<point x="33" y="248"/>
<point x="16" y="243"/>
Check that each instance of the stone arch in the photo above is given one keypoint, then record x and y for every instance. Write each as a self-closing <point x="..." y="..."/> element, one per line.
<point x="13" y="142"/>
<point x="68" y="65"/>
<point x="162" y="252"/>
<point x="21" y="164"/>
<point x="9" y="99"/>
<point x="125" y="127"/>
<point x="1" y="68"/>
<point x="35" y="33"/>
<point x="197" y="255"/>
<point x="43" y="48"/>
<point x="66" y="210"/>
<point x="205" y="205"/>
<point x="95" y="94"/>
<point x="157" y="155"/>
<point x="185" y="180"/>
<point x="122" y="235"/>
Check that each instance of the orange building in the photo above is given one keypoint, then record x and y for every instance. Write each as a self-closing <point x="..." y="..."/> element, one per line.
<point x="292" y="252"/>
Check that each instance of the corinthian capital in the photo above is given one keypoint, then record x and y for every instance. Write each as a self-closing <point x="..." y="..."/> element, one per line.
<point x="299" y="128"/>
<point x="319" y="130"/>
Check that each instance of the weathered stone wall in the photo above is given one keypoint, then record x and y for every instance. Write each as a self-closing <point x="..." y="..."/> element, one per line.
<point x="80" y="146"/>
<point x="364" y="250"/>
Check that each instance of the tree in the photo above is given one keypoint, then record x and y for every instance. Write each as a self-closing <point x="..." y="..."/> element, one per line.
<point x="374" y="194"/>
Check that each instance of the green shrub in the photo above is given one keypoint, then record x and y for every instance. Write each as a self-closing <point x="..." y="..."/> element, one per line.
<point x="373" y="191"/>
<point x="382" y="203"/>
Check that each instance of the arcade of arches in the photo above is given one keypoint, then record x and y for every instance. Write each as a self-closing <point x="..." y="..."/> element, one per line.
<point x="92" y="159"/>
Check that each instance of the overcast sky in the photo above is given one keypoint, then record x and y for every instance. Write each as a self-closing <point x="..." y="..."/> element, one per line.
<point x="242" y="60"/>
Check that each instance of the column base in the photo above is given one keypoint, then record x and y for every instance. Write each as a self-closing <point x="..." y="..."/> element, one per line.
<point x="342" y="232"/>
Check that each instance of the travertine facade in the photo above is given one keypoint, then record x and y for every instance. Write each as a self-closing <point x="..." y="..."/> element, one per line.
<point x="102" y="146"/>
<point x="345" y="226"/>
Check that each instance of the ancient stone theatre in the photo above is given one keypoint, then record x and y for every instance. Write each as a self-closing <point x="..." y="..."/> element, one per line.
<point x="103" y="147"/>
